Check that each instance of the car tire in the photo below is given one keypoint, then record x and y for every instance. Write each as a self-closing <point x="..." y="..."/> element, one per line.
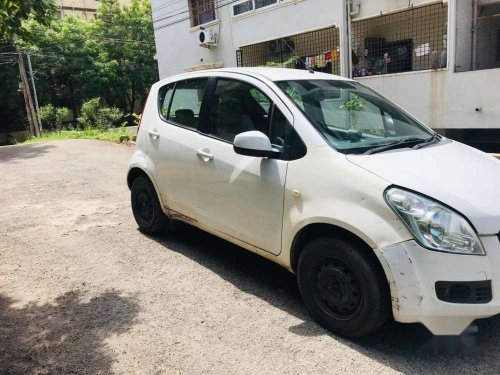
<point x="343" y="288"/>
<point x="146" y="206"/>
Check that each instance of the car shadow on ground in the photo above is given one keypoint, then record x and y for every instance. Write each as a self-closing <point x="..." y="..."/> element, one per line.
<point x="403" y="347"/>
<point x="66" y="337"/>
<point x="19" y="152"/>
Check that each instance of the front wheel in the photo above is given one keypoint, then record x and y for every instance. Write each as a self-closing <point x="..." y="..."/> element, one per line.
<point x="146" y="206"/>
<point x="343" y="287"/>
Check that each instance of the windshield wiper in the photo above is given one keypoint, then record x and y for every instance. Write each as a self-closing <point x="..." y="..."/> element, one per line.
<point x="399" y="144"/>
<point x="434" y="139"/>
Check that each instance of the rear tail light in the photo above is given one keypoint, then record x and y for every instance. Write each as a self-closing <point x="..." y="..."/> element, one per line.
<point x="139" y="124"/>
<point x="142" y="114"/>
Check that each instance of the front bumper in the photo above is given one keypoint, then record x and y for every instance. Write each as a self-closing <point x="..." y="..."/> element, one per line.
<point x="412" y="272"/>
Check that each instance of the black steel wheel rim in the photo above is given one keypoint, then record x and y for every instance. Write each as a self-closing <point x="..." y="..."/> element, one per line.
<point x="144" y="205"/>
<point x="337" y="289"/>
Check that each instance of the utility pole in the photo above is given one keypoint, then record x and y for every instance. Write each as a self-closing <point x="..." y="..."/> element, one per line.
<point x="30" y="110"/>
<point x="25" y="94"/>
<point x="32" y="78"/>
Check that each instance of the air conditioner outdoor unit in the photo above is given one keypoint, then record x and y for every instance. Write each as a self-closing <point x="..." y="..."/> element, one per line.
<point x="207" y="38"/>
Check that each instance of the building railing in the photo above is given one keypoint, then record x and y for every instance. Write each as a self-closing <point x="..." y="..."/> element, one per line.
<point x="318" y="50"/>
<point x="410" y="40"/>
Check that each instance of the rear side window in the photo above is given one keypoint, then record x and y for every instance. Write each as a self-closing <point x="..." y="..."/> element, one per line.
<point x="181" y="103"/>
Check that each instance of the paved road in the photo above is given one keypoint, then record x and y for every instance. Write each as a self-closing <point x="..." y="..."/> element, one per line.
<point x="83" y="291"/>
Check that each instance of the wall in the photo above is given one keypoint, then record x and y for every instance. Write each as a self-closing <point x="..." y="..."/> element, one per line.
<point x="177" y="43"/>
<point x="444" y="98"/>
<point x="441" y="99"/>
<point x="84" y="9"/>
<point x="370" y="8"/>
<point x="463" y="61"/>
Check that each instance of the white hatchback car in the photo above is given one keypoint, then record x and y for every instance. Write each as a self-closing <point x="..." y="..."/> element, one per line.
<point x="370" y="208"/>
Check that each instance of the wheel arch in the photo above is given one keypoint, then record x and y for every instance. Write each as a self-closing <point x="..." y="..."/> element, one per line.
<point x="137" y="171"/>
<point x="133" y="173"/>
<point x="316" y="230"/>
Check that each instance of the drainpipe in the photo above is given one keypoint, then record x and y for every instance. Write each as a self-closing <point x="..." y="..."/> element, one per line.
<point x="348" y="52"/>
<point x="474" y="33"/>
<point x="350" y="13"/>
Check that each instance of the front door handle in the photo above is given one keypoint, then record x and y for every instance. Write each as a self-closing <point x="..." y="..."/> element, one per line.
<point x="154" y="134"/>
<point x="204" y="155"/>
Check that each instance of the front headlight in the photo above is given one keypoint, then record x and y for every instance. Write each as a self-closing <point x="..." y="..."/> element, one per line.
<point x="434" y="225"/>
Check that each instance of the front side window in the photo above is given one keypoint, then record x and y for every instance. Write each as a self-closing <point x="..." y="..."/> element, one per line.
<point x="185" y="104"/>
<point x="351" y="117"/>
<point x="239" y="107"/>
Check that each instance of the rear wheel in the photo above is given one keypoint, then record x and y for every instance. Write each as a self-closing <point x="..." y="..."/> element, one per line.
<point x="146" y="206"/>
<point x="343" y="287"/>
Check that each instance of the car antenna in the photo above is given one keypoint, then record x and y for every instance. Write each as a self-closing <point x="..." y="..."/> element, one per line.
<point x="309" y="69"/>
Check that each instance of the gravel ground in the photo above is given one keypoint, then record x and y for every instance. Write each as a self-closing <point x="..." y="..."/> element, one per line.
<point x="83" y="291"/>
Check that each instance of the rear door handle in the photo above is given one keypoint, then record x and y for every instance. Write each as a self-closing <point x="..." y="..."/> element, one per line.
<point x="154" y="134"/>
<point x="204" y="155"/>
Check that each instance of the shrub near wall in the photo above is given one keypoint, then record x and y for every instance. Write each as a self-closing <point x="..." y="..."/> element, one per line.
<point x="96" y="116"/>
<point x="53" y="118"/>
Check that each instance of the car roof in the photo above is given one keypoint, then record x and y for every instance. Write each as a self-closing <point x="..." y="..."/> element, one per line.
<point x="282" y="74"/>
<point x="272" y="74"/>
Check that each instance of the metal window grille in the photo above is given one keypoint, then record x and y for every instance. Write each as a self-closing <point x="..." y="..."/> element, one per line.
<point x="202" y="11"/>
<point x="319" y="50"/>
<point x="411" y="40"/>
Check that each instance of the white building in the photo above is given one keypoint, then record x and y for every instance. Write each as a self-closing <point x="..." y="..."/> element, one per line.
<point x="84" y="9"/>
<point x="440" y="59"/>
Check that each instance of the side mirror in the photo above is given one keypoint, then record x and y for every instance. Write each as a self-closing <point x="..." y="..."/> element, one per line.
<point x="254" y="143"/>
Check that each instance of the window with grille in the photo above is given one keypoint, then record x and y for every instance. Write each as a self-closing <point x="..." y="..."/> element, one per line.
<point x="318" y="50"/>
<point x="411" y="40"/>
<point x="202" y="11"/>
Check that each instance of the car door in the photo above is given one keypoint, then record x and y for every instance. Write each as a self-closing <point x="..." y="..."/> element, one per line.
<point x="242" y="196"/>
<point x="173" y="142"/>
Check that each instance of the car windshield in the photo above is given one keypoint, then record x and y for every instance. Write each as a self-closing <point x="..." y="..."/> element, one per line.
<point x="353" y="118"/>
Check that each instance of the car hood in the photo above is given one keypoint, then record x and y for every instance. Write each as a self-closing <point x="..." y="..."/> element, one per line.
<point x="460" y="176"/>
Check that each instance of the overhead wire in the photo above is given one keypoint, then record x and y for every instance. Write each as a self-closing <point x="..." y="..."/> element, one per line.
<point x="187" y="18"/>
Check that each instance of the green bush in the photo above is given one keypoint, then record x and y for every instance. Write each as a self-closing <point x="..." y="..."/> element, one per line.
<point x="90" y="111"/>
<point x="62" y="114"/>
<point x="48" y="116"/>
<point x="53" y="117"/>
<point x="96" y="116"/>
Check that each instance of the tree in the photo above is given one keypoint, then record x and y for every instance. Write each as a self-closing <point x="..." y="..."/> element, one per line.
<point x="64" y="56"/>
<point x="14" y="12"/>
<point x="125" y="37"/>
<point x="12" y="110"/>
<point x="74" y="60"/>
<point x="111" y="57"/>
